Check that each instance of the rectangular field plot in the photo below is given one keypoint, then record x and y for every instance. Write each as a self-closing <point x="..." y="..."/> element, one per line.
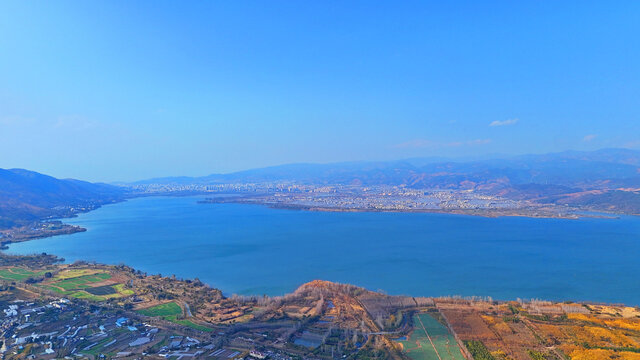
<point x="167" y="309"/>
<point x="430" y="340"/>
<point x="18" y="274"/>
<point x="87" y="284"/>
<point x="170" y="312"/>
<point x="101" y="290"/>
<point x="66" y="283"/>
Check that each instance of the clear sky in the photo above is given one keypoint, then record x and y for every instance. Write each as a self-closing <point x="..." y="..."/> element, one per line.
<point x="124" y="90"/>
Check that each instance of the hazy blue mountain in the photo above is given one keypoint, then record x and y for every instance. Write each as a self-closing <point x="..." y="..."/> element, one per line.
<point x="27" y="195"/>
<point x="569" y="169"/>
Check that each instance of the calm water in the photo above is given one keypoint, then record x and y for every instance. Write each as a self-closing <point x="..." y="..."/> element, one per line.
<point x="249" y="249"/>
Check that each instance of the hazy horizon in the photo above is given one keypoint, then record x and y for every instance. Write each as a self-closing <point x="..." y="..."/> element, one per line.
<point x="109" y="91"/>
<point x="434" y="159"/>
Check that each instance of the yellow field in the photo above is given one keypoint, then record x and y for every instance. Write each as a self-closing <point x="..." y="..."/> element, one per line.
<point x="74" y="273"/>
<point x="599" y="354"/>
<point x="604" y="333"/>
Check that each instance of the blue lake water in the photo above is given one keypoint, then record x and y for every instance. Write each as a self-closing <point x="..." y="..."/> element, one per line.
<point x="251" y="249"/>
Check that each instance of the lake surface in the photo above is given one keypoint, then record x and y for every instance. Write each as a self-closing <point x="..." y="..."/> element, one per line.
<point x="251" y="249"/>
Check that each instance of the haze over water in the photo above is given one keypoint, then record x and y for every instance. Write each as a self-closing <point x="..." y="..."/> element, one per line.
<point x="251" y="249"/>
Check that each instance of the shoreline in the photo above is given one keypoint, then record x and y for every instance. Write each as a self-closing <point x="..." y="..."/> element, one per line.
<point x="75" y="228"/>
<point x="26" y="232"/>
<point x="53" y="261"/>
<point x="486" y="213"/>
<point x="65" y="229"/>
<point x="21" y="234"/>
<point x="195" y="310"/>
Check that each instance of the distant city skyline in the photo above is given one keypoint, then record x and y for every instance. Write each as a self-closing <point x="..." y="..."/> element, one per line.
<point x="120" y="91"/>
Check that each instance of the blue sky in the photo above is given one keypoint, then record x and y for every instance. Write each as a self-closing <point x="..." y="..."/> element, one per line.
<point x="124" y="90"/>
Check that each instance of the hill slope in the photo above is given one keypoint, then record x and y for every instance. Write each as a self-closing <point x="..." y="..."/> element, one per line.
<point x="28" y="196"/>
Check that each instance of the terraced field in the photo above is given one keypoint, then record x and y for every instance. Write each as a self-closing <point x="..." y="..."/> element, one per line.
<point x="430" y="340"/>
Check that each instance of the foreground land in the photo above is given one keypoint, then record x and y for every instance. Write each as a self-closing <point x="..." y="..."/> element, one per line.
<point x="95" y="311"/>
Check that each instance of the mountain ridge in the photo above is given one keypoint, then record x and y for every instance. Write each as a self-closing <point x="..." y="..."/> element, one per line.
<point x="570" y="168"/>
<point x="30" y="196"/>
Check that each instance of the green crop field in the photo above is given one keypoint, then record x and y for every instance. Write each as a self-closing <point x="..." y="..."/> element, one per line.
<point x="55" y="289"/>
<point x="122" y="291"/>
<point x="87" y="296"/>
<point x="67" y="285"/>
<point x="442" y="343"/>
<point x="170" y="312"/>
<point x="168" y="309"/>
<point x="82" y="284"/>
<point x="18" y="274"/>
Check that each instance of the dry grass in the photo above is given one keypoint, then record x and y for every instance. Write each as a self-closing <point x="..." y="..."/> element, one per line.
<point x="599" y="354"/>
<point x="606" y="332"/>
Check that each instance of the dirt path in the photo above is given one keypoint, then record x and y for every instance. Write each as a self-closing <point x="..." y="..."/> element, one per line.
<point x="53" y="285"/>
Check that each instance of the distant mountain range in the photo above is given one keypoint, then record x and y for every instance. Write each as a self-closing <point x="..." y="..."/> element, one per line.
<point x="29" y="196"/>
<point x="596" y="169"/>
<point x="607" y="179"/>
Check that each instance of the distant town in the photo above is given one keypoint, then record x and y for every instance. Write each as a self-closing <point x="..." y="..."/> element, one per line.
<point x="362" y="198"/>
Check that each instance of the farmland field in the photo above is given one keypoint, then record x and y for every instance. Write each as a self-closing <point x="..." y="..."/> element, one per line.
<point x="18" y="274"/>
<point x="430" y="340"/>
<point x="167" y="309"/>
<point x="86" y="284"/>
<point x="74" y="273"/>
<point x="64" y="283"/>
<point x="545" y="330"/>
<point x="101" y="290"/>
<point x="170" y="312"/>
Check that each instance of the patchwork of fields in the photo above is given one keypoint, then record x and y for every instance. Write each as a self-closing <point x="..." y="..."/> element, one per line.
<point x="90" y="284"/>
<point x="96" y="285"/>
<point x="87" y="284"/>
<point x="543" y="330"/>
<point x="430" y="340"/>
